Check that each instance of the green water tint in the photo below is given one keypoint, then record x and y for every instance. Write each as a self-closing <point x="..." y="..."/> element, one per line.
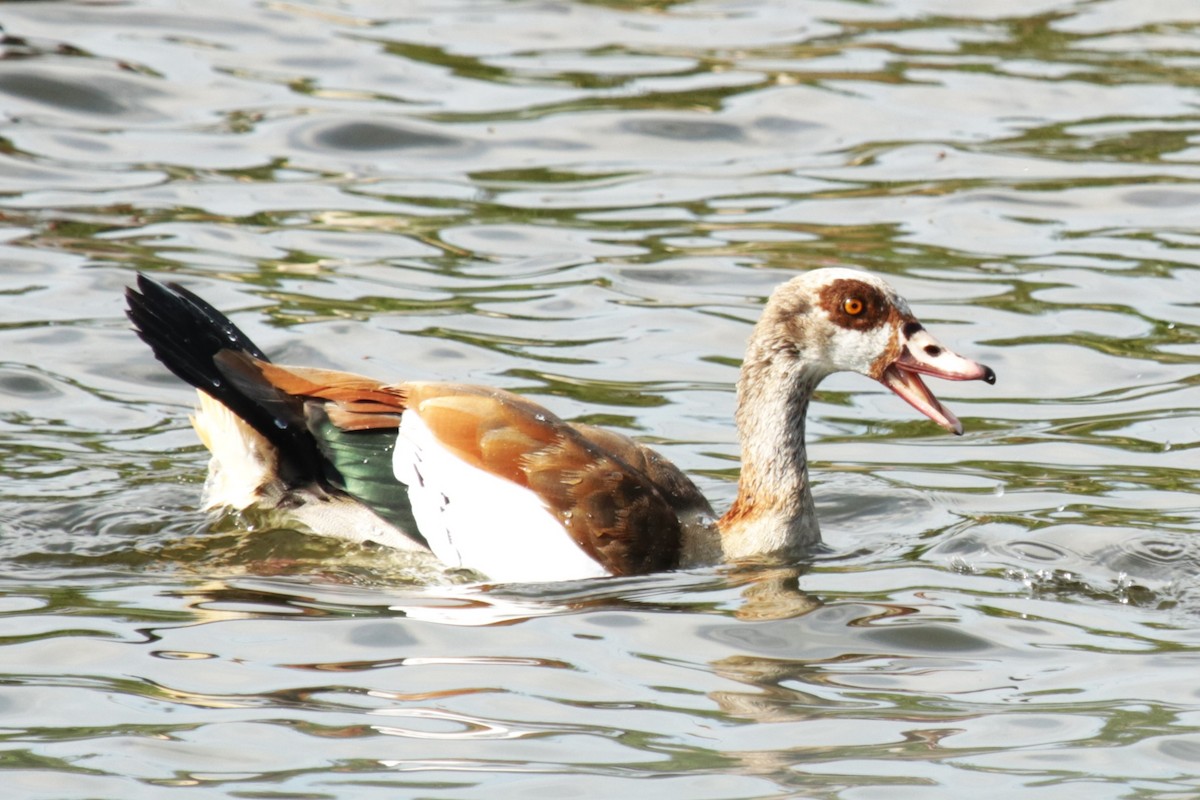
<point x="587" y="203"/>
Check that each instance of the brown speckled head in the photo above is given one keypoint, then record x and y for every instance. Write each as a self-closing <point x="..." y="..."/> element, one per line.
<point x="841" y="320"/>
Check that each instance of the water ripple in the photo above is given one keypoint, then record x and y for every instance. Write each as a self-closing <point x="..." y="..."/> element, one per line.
<point x="588" y="202"/>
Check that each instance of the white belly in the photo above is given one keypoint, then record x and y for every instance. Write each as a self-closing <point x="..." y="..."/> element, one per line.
<point x="474" y="519"/>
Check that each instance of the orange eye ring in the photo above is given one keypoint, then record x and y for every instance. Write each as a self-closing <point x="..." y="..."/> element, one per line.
<point x="852" y="306"/>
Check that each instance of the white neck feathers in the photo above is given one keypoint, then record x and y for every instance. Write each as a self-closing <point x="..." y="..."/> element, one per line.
<point x="774" y="511"/>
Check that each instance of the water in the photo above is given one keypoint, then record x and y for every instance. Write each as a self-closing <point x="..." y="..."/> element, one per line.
<point x="587" y="202"/>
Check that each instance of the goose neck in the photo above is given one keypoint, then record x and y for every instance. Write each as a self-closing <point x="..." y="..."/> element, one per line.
<point x="774" y="511"/>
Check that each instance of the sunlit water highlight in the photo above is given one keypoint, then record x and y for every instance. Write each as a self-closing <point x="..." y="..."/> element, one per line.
<point x="587" y="202"/>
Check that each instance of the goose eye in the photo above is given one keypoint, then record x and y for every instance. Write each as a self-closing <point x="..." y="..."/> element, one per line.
<point x="852" y="306"/>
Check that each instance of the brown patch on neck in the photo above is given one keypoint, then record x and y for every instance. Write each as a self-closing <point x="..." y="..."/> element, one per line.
<point x="741" y="510"/>
<point x="756" y="496"/>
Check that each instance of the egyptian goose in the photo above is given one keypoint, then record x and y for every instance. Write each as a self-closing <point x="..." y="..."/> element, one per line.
<point x="491" y="481"/>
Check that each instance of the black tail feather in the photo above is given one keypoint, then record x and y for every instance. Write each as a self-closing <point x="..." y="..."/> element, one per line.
<point x="186" y="334"/>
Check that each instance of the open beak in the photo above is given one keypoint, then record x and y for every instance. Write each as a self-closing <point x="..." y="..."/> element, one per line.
<point x="921" y="354"/>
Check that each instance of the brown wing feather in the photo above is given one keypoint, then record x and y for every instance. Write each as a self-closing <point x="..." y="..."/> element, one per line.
<point x="324" y="383"/>
<point x="674" y="485"/>
<point x="619" y="501"/>
<point x="612" y="509"/>
<point x="352" y="402"/>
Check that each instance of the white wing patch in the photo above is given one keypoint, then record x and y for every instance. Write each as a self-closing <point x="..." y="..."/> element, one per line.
<point x="242" y="463"/>
<point x="474" y="519"/>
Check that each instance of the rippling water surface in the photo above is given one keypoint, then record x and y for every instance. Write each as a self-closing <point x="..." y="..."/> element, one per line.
<point x="588" y="202"/>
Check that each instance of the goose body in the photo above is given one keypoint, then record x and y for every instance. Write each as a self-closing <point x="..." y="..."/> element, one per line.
<point x="493" y="482"/>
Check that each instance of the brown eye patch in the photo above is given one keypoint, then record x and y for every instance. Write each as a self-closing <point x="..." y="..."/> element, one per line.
<point x="854" y="304"/>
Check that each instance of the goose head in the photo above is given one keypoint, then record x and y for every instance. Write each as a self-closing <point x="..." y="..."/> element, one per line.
<point x="822" y="322"/>
<point x="840" y="320"/>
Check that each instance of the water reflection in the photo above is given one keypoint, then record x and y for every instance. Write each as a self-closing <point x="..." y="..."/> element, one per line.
<point x="587" y="202"/>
